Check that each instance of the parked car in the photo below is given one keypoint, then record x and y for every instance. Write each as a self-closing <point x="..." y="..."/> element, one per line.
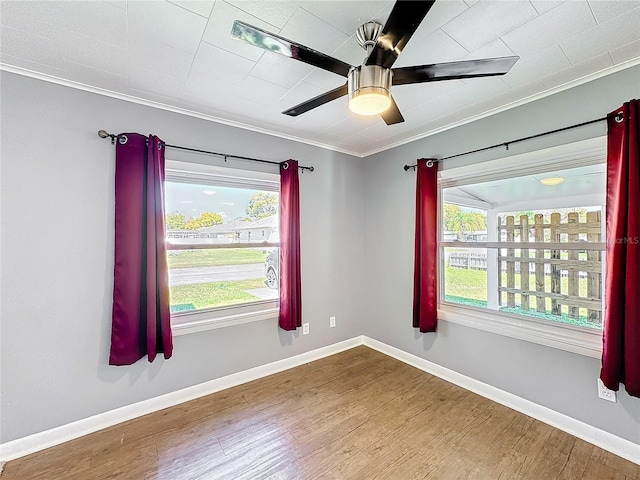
<point x="272" y="269"/>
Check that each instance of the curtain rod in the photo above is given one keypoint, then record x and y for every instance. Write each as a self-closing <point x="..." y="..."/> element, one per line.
<point x="506" y="144"/>
<point x="105" y="134"/>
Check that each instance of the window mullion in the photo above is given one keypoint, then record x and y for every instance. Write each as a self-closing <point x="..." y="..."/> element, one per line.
<point x="213" y="246"/>
<point x="540" y="245"/>
<point x="493" y="270"/>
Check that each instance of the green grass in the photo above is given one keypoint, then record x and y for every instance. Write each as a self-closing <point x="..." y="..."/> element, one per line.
<point x="213" y="294"/>
<point x="469" y="287"/>
<point x="564" y="284"/>
<point x="473" y="283"/>
<point x="468" y="284"/>
<point x="208" y="258"/>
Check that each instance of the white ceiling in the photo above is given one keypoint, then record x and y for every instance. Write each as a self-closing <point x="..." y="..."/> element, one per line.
<point x="180" y="55"/>
<point x="579" y="183"/>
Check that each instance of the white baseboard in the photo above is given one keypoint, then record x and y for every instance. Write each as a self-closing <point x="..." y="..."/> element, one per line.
<point x="605" y="440"/>
<point x="64" y="433"/>
<point x="55" y="436"/>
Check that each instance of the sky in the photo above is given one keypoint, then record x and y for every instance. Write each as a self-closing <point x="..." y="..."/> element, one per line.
<point x="193" y="200"/>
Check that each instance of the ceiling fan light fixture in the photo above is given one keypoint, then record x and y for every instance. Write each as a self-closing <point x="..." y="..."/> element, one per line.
<point x="369" y="87"/>
<point x="369" y="101"/>
<point x="550" y="181"/>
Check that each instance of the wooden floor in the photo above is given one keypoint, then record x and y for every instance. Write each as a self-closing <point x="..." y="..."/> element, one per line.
<point x="358" y="414"/>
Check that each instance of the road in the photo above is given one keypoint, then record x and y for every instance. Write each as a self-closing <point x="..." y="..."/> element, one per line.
<point x="188" y="276"/>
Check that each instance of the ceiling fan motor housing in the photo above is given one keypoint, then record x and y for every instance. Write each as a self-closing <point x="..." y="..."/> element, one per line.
<point x="369" y="81"/>
<point x="367" y="35"/>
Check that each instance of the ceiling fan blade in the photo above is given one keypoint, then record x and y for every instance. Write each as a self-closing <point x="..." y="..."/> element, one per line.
<point x="317" y="101"/>
<point x="274" y="43"/>
<point x="486" y="67"/>
<point x="403" y="21"/>
<point x="392" y="114"/>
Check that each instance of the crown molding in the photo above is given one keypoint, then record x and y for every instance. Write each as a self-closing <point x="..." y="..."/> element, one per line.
<point x="212" y="118"/>
<point x="169" y="108"/>
<point x="532" y="98"/>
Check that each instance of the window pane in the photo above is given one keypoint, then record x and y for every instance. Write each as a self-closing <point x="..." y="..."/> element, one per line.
<point x="563" y="285"/>
<point x="209" y="214"/>
<point x="220" y="212"/>
<point x="465" y="276"/>
<point x="221" y="277"/>
<point x="463" y="224"/>
<point x="559" y="284"/>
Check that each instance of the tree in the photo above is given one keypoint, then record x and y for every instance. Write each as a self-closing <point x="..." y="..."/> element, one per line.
<point x="192" y="225"/>
<point x="262" y="205"/>
<point x="452" y="218"/>
<point x="474" y="221"/>
<point x="175" y="221"/>
<point x="458" y="221"/>
<point x="206" y="219"/>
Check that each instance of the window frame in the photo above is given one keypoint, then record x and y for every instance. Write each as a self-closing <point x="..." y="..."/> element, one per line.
<point x="575" y="339"/>
<point x="184" y="323"/>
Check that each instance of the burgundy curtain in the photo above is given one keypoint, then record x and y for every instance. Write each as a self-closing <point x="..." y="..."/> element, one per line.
<point x="290" y="285"/>
<point x="141" y="323"/>
<point x="621" y="344"/>
<point x="425" y="274"/>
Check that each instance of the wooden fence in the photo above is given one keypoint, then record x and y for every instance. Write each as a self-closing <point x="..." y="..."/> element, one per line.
<point x="478" y="261"/>
<point x="578" y="266"/>
<point x="474" y="261"/>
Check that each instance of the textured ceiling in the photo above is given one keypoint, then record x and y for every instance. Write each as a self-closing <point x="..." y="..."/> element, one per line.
<point x="579" y="183"/>
<point x="180" y="54"/>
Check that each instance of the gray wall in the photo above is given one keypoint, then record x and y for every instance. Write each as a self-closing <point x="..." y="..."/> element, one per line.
<point x="562" y="381"/>
<point x="57" y="256"/>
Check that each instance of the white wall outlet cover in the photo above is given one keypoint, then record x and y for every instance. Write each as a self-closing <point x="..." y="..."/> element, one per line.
<point x="605" y="393"/>
<point x="332" y="322"/>
<point x="305" y="329"/>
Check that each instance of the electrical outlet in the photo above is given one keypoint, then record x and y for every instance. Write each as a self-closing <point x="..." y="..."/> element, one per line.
<point x="305" y="329"/>
<point x="605" y="393"/>
<point x="332" y="322"/>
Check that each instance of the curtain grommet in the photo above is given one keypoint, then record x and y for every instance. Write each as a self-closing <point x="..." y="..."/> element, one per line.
<point x="122" y="139"/>
<point x="285" y="165"/>
<point x="430" y="163"/>
<point x="619" y="118"/>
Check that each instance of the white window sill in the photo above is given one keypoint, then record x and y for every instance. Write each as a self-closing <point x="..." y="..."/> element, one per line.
<point x="207" y="320"/>
<point x="564" y="337"/>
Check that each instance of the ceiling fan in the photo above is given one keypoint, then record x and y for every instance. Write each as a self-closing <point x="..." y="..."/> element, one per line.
<point x="369" y="85"/>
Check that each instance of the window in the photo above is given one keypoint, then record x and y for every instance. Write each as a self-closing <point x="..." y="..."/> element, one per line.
<point x="522" y="247"/>
<point x="222" y="245"/>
